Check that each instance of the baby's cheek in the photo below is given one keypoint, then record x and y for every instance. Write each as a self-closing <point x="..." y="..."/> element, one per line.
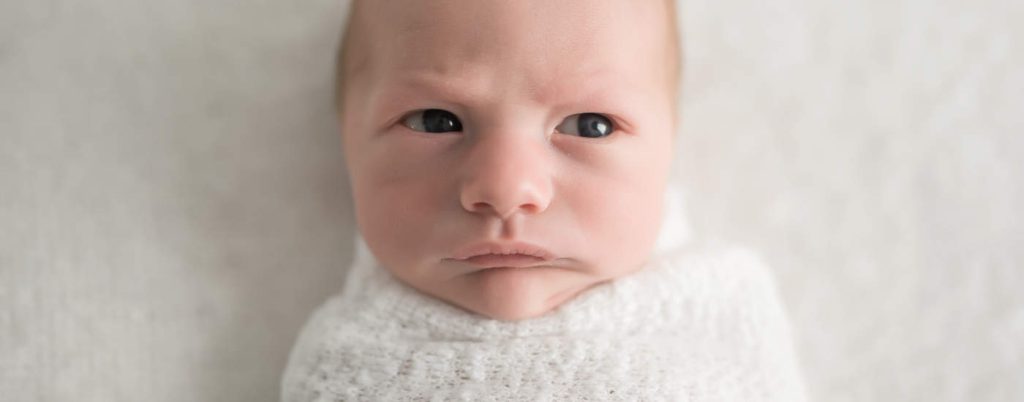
<point x="401" y="157"/>
<point x="638" y="227"/>
<point x="396" y="213"/>
<point x="622" y="223"/>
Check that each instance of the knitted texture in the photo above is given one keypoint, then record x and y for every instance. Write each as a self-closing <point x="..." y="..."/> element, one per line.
<point x="691" y="325"/>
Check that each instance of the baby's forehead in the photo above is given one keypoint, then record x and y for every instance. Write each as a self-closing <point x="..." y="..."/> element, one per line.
<point x="564" y="43"/>
<point x="548" y="47"/>
<point x="515" y="25"/>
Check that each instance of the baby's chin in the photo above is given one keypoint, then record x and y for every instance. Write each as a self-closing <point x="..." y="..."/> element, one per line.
<point x="514" y="294"/>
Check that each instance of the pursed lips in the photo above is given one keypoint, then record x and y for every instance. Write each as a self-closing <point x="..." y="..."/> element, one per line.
<point x="504" y="261"/>
<point x="508" y="254"/>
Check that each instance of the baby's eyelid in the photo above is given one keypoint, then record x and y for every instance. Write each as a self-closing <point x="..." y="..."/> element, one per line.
<point x="570" y="125"/>
<point x="410" y="121"/>
<point x="619" y="124"/>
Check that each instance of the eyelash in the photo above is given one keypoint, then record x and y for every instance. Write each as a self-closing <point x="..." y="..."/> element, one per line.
<point x="455" y="125"/>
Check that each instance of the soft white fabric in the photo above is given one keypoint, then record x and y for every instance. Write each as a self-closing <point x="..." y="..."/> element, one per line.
<point x="690" y="326"/>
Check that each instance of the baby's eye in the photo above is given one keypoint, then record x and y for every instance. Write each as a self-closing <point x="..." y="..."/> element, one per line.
<point x="590" y="125"/>
<point x="432" y="121"/>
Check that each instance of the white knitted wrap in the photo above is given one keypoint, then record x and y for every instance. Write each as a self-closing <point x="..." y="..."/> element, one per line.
<point x="691" y="326"/>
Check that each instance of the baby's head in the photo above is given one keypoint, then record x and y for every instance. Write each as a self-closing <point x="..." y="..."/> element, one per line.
<point x="542" y="129"/>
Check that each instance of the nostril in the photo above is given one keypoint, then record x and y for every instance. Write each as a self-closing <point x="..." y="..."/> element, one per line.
<point x="487" y="207"/>
<point x="503" y="211"/>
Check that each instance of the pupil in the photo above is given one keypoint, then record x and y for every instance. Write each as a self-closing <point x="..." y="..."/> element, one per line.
<point x="593" y="125"/>
<point x="439" y="121"/>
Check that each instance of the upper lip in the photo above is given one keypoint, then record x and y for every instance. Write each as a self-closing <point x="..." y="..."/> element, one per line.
<point x="503" y="248"/>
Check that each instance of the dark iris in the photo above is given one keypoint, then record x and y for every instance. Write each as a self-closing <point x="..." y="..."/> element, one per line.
<point x="593" y="125"/>
<point x="440" y="121"/>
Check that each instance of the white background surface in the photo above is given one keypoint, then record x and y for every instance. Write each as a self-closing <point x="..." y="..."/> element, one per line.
<point x="173" y="201"/>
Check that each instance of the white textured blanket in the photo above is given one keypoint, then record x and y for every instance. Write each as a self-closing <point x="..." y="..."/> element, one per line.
<point x="691" y="326"/>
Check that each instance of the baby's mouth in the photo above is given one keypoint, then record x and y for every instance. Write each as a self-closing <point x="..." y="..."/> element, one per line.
<point x="508" y="254"/>
<point x="504" y="260"/>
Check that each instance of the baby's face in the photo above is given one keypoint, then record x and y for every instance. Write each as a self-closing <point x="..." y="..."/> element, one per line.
<point x="471" y="122"/>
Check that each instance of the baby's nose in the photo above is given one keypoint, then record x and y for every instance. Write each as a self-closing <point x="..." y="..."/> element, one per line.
<point x="507" y="175"/>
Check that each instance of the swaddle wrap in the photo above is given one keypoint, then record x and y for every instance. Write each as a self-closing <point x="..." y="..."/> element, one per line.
<point x="691" y="325"/>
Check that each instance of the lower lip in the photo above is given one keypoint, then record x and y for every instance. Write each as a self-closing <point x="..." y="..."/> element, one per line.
<point x="504" y="261"/>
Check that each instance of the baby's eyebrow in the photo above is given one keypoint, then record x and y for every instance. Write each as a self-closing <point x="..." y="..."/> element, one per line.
<point x="395" y="94"/>
<point x="582" y="83"/>
<point x="460" y="91"/>
<point x="469" y="89"/>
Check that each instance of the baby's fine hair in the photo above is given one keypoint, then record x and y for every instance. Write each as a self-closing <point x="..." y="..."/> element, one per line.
<point x="343" y="69"/>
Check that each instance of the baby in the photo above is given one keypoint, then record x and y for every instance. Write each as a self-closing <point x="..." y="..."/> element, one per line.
<point x="509" y="163"/>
